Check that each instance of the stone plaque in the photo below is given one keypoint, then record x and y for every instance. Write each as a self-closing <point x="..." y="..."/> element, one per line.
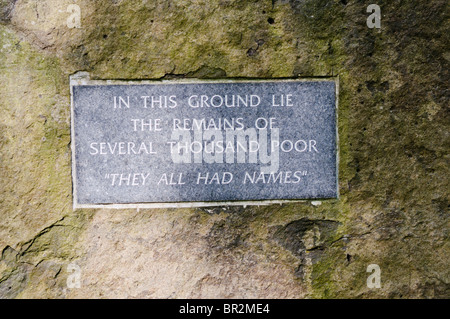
<point x="202" y="143"/>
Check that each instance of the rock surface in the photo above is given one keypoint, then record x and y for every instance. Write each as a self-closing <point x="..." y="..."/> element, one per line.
<point x="393" y="208"/>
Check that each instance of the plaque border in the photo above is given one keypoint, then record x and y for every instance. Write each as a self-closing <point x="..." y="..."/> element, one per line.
<point x="83" y="78"/>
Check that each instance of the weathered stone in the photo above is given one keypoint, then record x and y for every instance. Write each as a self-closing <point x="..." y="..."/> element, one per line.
<point x="393" y="124"/>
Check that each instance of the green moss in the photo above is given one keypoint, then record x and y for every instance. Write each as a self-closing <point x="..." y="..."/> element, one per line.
<point x="392" y="125"/>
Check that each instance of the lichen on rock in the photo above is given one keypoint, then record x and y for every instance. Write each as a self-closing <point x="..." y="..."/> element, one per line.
<point x="393" y="123"/>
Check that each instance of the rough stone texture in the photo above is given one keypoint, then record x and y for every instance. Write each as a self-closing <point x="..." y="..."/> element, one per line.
<point x="394" y="143"/>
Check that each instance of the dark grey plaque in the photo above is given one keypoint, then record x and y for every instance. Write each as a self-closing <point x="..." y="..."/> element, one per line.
<point x="203" y="142"/>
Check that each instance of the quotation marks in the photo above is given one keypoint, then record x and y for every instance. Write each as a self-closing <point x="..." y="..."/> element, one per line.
<point x="74" y="20"/>
<point x="374" y="280"/>
<point x="374" y="20"/>
<point x="74" y="279"/>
